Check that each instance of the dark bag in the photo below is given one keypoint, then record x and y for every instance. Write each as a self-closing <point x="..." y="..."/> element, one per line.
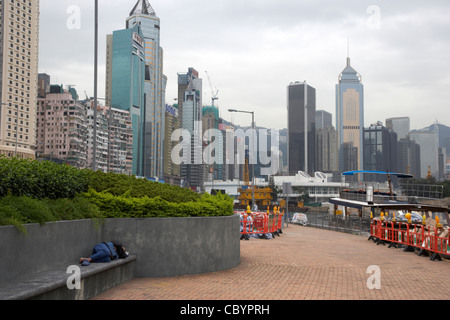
<point x="120" y="250"/>
<point x="111" y="256"/>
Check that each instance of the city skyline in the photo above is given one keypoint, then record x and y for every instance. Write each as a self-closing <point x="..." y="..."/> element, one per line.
<point x="400" y="48"/>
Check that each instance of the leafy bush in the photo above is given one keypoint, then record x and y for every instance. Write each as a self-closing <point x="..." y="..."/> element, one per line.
<point x="36" y="179"/>
<point x="120" y="184"/>
<point x="19" y="210"/>
<point x="121" y="206"/>
<point x="39" y="192"/>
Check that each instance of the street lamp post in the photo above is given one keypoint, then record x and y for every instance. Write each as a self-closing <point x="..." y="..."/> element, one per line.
<point x="108" y="120"/>
<point x="253" y="165"/>
<point x="94" y="149"/>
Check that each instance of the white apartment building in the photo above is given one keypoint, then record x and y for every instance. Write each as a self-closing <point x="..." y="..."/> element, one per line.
<point x="19" y="52"/>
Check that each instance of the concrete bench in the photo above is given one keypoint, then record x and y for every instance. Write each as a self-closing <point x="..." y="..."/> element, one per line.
<point x="52" y="285"/>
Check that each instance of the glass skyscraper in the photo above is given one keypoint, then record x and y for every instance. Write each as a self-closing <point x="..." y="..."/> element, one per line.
<point x="190" y="109"/>
<point x="350" y="119"/>
<point x="135" y="82"/>
<point x="127" y="70"/>
<point x="301" y="128"/>
<point x="400" y="125"/>
<point x="144" y="16"/>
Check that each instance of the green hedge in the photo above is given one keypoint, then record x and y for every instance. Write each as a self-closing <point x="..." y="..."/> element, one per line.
<point x="39" y="192"/>
<point x="40" y="179"/>
<point x="124" y="206"/>
<point x="19" y="210"/>
<point x="121" y="184"/>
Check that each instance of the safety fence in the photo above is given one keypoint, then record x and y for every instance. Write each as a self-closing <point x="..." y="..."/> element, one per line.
<point x="423" y="239"/>
<point x="260" y="225"/>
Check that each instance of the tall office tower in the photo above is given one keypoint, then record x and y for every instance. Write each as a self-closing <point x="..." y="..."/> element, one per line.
<point x="442" y="159"/>
<point x="350" y="119"/>
<point x="43" y="84"/>
<point x="323" y="119"/>
<point x="326" y="149"/>
<point x="301" y="106"/>
<point x="135" y="82"/>
<point x="326" y="144"/>
<point x="400" y="125"/>
<point x="428" y="142"/>
<point x="380" y="150"/>
<point x="190" y="109"/>
<point x="409" y="157"/>
<point x="230" y="165"/>
<point x="143" y="15"/>
<point x="19" y="46"/>
<point x="173" y="122"/>
<point x="61" y="128"/>
<point x="210" y="120"/>
<point x="126" y="70"/>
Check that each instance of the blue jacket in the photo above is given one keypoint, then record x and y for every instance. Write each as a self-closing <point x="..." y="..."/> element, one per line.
<point x="102" y="252"/>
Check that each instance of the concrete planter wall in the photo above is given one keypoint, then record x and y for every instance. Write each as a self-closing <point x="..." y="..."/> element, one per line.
<point x="163" y="246"/>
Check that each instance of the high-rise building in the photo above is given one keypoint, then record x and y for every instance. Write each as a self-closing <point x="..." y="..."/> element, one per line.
<point x="135" y="82"/>
<point x="326" y="149"/>
<point x="61" y="128"/>
<point x="143" y="15"/>
<point x="409" y="157"/>
<point x="301" y="106"/>
<point x="428" y="142"/>
<point x="380" y="150"/>
<point x="211" y="120"/>
<point x="43" y="84"/>
<point x="400" y="125"/>
<point x="173" y="122"/>
<point x="323" y="119"/>
<point x="350" y="119"/>
<point x="127" y="69"/>
<point x="190" y="109"/>
<point x="114" y="139"/>
<point x="19" y="53"/>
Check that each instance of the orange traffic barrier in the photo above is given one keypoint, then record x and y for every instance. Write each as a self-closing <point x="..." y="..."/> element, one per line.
<point x="442" y="244"/>
<point x="260" y="225"/>
<point x="421" y="238"/>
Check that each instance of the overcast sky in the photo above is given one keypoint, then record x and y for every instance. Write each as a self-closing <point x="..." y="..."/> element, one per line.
<point x="253" y="49"/>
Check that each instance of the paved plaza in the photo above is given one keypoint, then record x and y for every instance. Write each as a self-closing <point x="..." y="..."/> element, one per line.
<point x="305" y="263"/>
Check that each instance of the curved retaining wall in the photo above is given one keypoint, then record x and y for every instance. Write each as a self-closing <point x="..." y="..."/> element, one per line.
<point x="163" y="246"/>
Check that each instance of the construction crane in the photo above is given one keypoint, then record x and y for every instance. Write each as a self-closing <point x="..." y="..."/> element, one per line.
<point x="213" y="95"/>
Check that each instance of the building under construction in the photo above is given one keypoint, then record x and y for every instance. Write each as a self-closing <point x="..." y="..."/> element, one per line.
<point x="263" y="196"/>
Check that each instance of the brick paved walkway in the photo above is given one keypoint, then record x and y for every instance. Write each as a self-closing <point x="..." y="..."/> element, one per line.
<point x="304" y="264"/>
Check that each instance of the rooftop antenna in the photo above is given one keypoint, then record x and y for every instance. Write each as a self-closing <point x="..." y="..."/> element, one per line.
<point x="348" y="51"/>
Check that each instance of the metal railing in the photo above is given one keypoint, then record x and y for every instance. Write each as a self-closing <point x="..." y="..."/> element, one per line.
<point x="325" y="220"/>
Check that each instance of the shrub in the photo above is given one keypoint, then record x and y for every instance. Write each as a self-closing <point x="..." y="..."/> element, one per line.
<point x="39" y="192"/>
<point x="20" y="210"/>
<point x="112" y="206"/>
<point x="120" y="184"/>
<point x="40" y="179"/>
<point x="73" y="209"/>
<point x="25" y="210"/>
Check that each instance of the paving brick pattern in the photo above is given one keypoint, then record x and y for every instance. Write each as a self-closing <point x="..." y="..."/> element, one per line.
<point x="304" y="264"/>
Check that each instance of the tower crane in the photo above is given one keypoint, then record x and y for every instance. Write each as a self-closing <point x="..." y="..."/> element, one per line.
<point x="213" y="95"/>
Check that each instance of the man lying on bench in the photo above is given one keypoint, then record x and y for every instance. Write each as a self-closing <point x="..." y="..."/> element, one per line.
<point x="105" y="252"/>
